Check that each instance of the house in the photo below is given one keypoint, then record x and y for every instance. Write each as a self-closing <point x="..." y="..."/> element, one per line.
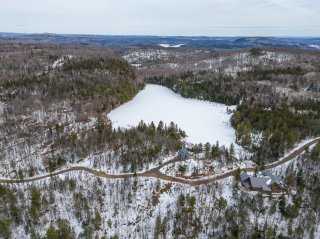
<point x="183" y="154"/>
<point x="266" y="183"/>
<point x="254" y="183"/>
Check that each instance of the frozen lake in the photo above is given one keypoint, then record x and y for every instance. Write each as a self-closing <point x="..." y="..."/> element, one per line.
<point x="202" y="121"/>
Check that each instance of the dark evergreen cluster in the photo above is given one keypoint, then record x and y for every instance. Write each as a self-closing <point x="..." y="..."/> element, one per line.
<point x="201" y="85"/>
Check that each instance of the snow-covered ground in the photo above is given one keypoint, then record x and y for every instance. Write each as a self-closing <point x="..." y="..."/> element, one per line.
<point x="57" y="63"/>
<point x="202" y="121"/>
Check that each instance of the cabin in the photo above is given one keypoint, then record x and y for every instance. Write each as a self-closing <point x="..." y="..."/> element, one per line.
<point x="183" y="154"/>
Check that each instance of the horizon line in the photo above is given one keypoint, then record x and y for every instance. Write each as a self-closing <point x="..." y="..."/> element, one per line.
<point x="154" y="35"/>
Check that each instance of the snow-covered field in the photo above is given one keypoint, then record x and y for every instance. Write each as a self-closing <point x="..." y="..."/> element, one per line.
<point x="202" y="121"/>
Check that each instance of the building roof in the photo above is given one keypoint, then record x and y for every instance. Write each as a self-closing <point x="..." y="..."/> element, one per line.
<point x="259" y="183"/>
<point x="244" y="176"/>
<point x="246" y="183"/>
<point x="272" y="177"/>
<point x="266" y="188"/>
<point x="183" y="153"/>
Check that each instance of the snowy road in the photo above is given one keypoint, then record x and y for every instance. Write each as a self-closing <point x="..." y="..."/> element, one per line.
<point x="155" y="172"/>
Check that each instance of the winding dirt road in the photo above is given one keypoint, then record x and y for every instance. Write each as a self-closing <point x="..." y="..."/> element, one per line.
<point x="155" y="172"/>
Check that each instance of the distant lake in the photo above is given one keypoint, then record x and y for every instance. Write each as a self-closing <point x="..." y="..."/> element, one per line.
<point x="202" y="121"/>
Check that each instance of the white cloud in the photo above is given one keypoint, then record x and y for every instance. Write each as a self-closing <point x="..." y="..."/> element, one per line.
<point x="174" y="17"/>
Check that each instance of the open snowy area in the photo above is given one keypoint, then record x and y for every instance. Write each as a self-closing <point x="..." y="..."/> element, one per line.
<point x="201" y="120"/>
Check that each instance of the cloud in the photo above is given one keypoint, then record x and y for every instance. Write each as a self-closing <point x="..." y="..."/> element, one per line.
<point x="179" y="17"/>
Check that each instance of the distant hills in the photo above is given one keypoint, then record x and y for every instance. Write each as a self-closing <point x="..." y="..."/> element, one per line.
<point x="162" y="42"/>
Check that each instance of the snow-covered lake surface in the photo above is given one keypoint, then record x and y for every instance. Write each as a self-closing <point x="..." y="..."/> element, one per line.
<point x="315" y="46"/>
<point x="168" y="45"/>
<point x="202" y="121"/>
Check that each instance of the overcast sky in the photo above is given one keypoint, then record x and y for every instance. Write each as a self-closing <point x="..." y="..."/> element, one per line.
<point x="165" y="17"/>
